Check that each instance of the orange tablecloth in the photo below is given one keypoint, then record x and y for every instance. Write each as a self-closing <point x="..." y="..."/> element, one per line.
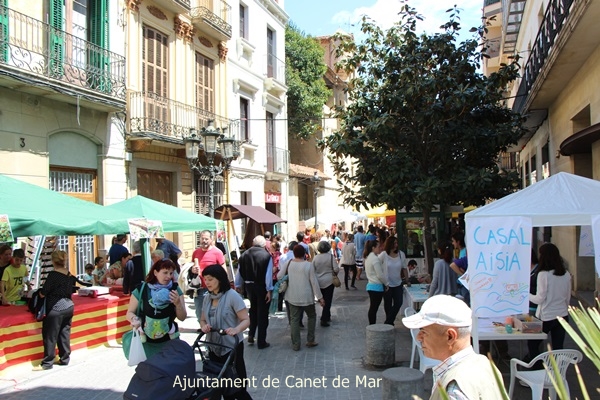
<point x="95" y="322"/>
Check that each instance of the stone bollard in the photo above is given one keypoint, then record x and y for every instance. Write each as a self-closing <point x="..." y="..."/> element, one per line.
<point x="402" y="383"/>
<point x="381" y="345"/>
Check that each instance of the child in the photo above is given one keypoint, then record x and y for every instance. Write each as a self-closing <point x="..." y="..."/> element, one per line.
<point x="100" y="270"/>
<point x="13" y="279"/>
<point x="88" y="276"/>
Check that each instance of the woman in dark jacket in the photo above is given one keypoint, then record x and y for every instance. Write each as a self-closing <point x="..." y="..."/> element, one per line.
<point x="56" y="327"/>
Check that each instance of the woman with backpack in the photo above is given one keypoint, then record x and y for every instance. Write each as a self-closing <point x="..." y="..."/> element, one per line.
<point x="161" y="302"/>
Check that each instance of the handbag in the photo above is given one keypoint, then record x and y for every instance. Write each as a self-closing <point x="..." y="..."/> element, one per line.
<point x="137" y="354"/>
<point x="335" y="280"/>
<point x="283" y="282"/>
<point x="127" y="337"/>
<point x="41" y="311"/>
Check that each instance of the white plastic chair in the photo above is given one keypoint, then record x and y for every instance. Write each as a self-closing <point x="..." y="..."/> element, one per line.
<point x="424" y="362"/>
<point x="538" y="380"/>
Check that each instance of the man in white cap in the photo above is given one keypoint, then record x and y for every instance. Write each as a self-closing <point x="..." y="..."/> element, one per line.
<point x="444" y="324"/>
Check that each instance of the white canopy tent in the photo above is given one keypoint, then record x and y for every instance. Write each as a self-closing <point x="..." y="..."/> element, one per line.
<point x="561" y="200"/>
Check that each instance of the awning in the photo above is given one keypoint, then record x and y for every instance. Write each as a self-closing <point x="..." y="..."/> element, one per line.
<point x="380" y="211"/>
<point x="256" y="213"/>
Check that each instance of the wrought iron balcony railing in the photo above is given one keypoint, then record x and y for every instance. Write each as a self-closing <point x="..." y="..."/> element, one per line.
<point x="169" y="120"/>
<point x="275" y="67"/>
<point x="32" y="47"/>
<point x="216" y="13"/>
<point x="554" y="20"/>
<point x="278" y="160"/>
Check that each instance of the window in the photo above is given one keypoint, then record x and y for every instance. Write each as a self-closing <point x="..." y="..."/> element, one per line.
<point x="270" y="142"/>
<point x="155" y="63"/>
<point x="205" y="86"/>
<point x="83" y="21"/>
<point x="243" y="21"/>
<point x="533" y="169"/>
<point x="244" y="120"/>
<point x="271" y="61"/>
<point x="527" y="176"/>
<point x="545" y="161"/>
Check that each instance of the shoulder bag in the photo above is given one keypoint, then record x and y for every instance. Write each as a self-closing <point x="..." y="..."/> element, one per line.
<point x="283" y="282"/>
<point x="335" y="279"/>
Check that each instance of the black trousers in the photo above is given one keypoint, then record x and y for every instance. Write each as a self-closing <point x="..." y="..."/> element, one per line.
<point x="375" y="300"/>
<point x="557" y="337"/>
<point x="328" y="297"/>
<point x="392" y="302"/>
<point x="56" y="330"/>
<point x="347" y="269"/>
<point x="240" y="367"/>
<point x="259" y="312"/>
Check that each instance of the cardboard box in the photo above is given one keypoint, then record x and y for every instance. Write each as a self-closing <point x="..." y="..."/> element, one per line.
<point x="527" y="324"/>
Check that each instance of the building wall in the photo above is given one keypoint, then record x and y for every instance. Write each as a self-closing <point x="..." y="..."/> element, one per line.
<point x="574" y="108"/>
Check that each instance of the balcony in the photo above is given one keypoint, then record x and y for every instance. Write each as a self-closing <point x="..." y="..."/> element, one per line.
<point x="214" y="15"/>
<point x="278" y="160"/>
<point x="554" y="20"/>
<point x="58" y="65"/>
<point x="159" y="118"/>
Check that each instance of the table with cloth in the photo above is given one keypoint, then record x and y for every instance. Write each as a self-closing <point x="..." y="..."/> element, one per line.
<point x="96" y="321"/>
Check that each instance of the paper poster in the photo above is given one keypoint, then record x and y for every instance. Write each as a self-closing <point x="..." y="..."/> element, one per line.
<point x="499" y="261"/>
<point x="586" y="243"/>
<point x="142" y="228"/>
<point x="6" y="235"/>
<point x="596" y="241"/>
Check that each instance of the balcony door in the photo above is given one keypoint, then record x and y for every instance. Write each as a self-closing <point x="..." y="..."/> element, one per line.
<point x="205" y="88"/>
<point x="155" y="73"/>
<point x="271" y="62"/>
<point x="270" y="142"/>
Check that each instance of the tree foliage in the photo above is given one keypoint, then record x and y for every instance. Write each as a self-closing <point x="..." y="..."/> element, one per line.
<point x="307" y="92"/>
<point x="423" y="127"/>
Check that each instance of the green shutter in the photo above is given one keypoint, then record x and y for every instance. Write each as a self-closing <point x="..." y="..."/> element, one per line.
<point x="98" y="35"/>
<point x="4" y="39"/>
<point x="57" y="40"/>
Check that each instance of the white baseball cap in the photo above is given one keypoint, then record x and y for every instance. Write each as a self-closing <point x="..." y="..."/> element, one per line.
<point x="442" y="310"/>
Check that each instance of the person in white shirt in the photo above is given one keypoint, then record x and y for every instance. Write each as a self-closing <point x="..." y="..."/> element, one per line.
<point x="394" y="263"/>
<point x="552" y="295"/>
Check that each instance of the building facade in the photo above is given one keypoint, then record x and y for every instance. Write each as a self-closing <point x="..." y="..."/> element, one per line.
<point x="257" y="103"/>
<point x="559" y="45"/>
<point x="62" y="102"/>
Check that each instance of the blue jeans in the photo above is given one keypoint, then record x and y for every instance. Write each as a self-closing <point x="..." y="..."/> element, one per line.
<point x="198" y="300"/>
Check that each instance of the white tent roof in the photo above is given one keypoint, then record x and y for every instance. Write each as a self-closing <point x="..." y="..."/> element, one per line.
<point x="561" y="200"/>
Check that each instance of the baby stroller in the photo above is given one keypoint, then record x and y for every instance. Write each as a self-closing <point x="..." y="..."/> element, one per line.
<point x="218" y="375"/>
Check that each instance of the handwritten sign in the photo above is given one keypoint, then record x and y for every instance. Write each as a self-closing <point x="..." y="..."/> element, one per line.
<point x="596" y="237"/>
<point x="499" y="257"/>
<point x="6" y="235"/>
<point x="142" y="228"/>
<point x="586" y="243"/>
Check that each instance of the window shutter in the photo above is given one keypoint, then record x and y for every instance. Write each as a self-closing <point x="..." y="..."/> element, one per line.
<point x="4" y="39"/>
<point x="57" y="40"/>
<point x="98" y="35"/>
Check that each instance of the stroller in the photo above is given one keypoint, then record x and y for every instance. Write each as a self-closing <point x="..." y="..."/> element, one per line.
<point x="218" y="375"/>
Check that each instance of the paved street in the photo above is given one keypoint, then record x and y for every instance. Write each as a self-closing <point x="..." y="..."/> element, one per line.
<point x="102" y="372"/>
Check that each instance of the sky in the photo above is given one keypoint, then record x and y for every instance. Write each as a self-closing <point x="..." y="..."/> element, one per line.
<point x="325" y="17"/>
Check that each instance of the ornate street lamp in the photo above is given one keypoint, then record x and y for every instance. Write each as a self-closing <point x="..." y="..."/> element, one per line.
<point x="213" y="142"/>
<point x="315" y="179"/>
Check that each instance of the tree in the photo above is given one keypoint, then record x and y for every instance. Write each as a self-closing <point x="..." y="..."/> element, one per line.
<point x="304" y="73"/>
<point x="424" y="127"/>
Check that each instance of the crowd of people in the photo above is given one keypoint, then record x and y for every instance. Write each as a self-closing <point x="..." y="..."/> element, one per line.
<point x="307" y="268"/>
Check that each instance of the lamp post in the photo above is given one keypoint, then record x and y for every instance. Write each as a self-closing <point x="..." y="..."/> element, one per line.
<point x="214" y="142"/>
<point x="315" y="180"/>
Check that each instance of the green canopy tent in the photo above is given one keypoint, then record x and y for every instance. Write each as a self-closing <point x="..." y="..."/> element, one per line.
<point x="173" y="219"/>
<point x="33" y="210"/>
